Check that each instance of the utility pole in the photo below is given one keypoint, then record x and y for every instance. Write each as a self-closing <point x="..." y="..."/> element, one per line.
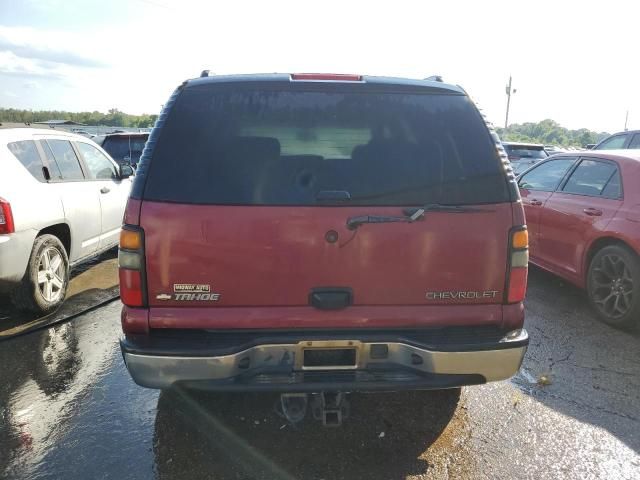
<point x="509" y="91"/>
<point x="626" y="119"/>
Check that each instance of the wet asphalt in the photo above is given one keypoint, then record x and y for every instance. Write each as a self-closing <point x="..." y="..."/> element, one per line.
<point x="91" y="284"/>
<point x="68" y="409"/>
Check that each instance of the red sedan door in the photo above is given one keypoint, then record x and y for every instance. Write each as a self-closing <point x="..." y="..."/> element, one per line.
<point x="573" y="215"/>
<point x="536" y="186"/>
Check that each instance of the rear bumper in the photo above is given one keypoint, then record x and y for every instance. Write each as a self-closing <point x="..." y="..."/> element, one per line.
<point x="15" y="250"/>
<point x="405" y="365"/>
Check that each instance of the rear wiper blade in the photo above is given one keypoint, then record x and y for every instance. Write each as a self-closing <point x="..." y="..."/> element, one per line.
<point x="355" y="222"/>
<point x="410" y="214"/>
<point x="417" y="213"/>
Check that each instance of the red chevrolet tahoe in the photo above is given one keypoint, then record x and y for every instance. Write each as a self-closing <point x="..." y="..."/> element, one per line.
<point x="313" y="232"/>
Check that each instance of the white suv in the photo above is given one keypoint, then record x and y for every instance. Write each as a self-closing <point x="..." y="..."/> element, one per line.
<point x="62" y="200"/>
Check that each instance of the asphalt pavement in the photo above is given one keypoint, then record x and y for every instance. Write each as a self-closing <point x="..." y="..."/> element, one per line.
<point x="68" y="409"/>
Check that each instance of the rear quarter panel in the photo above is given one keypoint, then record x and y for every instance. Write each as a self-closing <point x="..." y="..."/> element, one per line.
<point x="625" y="225"/>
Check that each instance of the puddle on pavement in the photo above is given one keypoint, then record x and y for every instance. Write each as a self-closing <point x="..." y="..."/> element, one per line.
<point x="46" y="376"/>
<point x="92" y="283"/>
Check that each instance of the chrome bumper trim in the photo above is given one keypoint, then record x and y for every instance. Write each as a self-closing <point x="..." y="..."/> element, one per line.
<point x="155" y="371"/>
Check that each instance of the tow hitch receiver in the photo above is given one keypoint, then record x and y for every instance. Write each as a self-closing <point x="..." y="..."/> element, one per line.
<point x="294" y="406"/>
<point x="330" y="407"/>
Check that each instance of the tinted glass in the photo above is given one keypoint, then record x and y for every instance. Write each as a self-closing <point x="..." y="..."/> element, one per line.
<point x="27" y="153"/>
<point x="99" y="166"/>
<point x="520" y="166"/>
<point x="124" y="148"/>
<point x="590" y="178"/>
<point x="287" y="147"/>
<point x="523" y="152"/>
<point x="613" y="189"/>
<point x="635" y="141"/>
<point x="612" y="143"/>
<point x="65" y="159"/>
<point x="54" y="171"/>
<point x="547" y="176"/>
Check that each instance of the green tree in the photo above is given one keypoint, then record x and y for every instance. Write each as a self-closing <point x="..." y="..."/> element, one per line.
<point x="549" y="132"/>
<point x="113" y="118"/>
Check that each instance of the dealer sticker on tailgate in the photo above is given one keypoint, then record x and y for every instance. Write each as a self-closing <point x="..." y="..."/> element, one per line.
<point x="191" y="288"/>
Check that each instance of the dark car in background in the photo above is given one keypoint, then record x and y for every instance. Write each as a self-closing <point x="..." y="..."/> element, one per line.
<point x="313" y="233"/>
<point x="622" y="140"/>
<point x="124" y="147"/>
<point x="553" y="149"/>
<point x="524" y="155"/>
<point x="583" y="215"/>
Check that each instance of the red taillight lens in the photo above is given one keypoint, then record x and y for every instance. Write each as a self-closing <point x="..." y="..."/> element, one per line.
<point x="518" y="263"/>
<point x="517" y="285"/>
<point x="6" y="217"/>
<point x="131" y="287"/>
<point x="131" y="266"/>
<point x="326" y="77"/>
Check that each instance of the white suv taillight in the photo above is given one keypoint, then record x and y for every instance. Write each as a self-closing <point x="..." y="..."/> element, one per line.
<point x="518" y="263"/>
<point x="6" y="217"/>
<point x="131" y="266"/>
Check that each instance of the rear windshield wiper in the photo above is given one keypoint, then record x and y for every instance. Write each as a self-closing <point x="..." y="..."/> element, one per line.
<point x="410" y="214"/>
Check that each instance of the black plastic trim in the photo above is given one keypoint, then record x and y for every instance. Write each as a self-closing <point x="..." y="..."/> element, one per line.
<point x="336" y="381"/>
<point x="203" y="343"/>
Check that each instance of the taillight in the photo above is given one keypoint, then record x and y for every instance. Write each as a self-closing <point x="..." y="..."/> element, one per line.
<point x="6" y="217"/>
<point x="518" y="263"/>
<point x="131" y="266"/>
<point x="326" y="77"/>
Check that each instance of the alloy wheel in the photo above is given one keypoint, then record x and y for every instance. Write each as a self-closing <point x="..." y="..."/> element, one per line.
<point x="611" y="286"/>
<point x="51" y="274"/>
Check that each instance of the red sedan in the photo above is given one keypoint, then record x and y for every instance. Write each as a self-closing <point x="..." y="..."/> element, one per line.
<point x="583" y="216"/>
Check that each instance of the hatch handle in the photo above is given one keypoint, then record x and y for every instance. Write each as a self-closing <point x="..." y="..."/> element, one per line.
<point x="331" y="298"/>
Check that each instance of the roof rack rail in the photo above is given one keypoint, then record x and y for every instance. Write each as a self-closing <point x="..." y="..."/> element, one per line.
<point x="204" y="73"/>
<point x="435" y="78"/>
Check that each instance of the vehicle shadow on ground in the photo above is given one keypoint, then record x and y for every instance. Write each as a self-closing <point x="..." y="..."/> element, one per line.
<point x="578" y="365"/>
<point x="221" y="436"/>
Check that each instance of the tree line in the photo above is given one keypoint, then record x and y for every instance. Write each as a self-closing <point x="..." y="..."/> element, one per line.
<point x="114" y="118"/>
<point x="549" y="132"/>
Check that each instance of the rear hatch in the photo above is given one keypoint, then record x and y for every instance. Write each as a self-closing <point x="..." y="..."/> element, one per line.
<point x="125" y="148"/>
<point x="524" y="156"/>
<point x="256" y="195"/>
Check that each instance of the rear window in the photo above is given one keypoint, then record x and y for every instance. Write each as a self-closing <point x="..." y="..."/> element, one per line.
<point x="121" y="148"/>
<point x="525" y="152"/>
<point x="27" y="153"/>
<point x="249" y="147"/>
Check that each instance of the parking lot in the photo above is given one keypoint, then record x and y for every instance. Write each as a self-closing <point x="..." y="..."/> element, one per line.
<point x="70" y="409"/>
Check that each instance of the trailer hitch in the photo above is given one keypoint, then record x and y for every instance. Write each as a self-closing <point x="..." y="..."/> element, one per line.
<point x="330" y="407"/>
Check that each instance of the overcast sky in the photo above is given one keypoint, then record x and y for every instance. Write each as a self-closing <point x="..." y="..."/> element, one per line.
<point x="574" y="62"/>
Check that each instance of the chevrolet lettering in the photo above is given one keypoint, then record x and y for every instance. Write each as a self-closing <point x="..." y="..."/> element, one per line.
<point x="455" y="295"/>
